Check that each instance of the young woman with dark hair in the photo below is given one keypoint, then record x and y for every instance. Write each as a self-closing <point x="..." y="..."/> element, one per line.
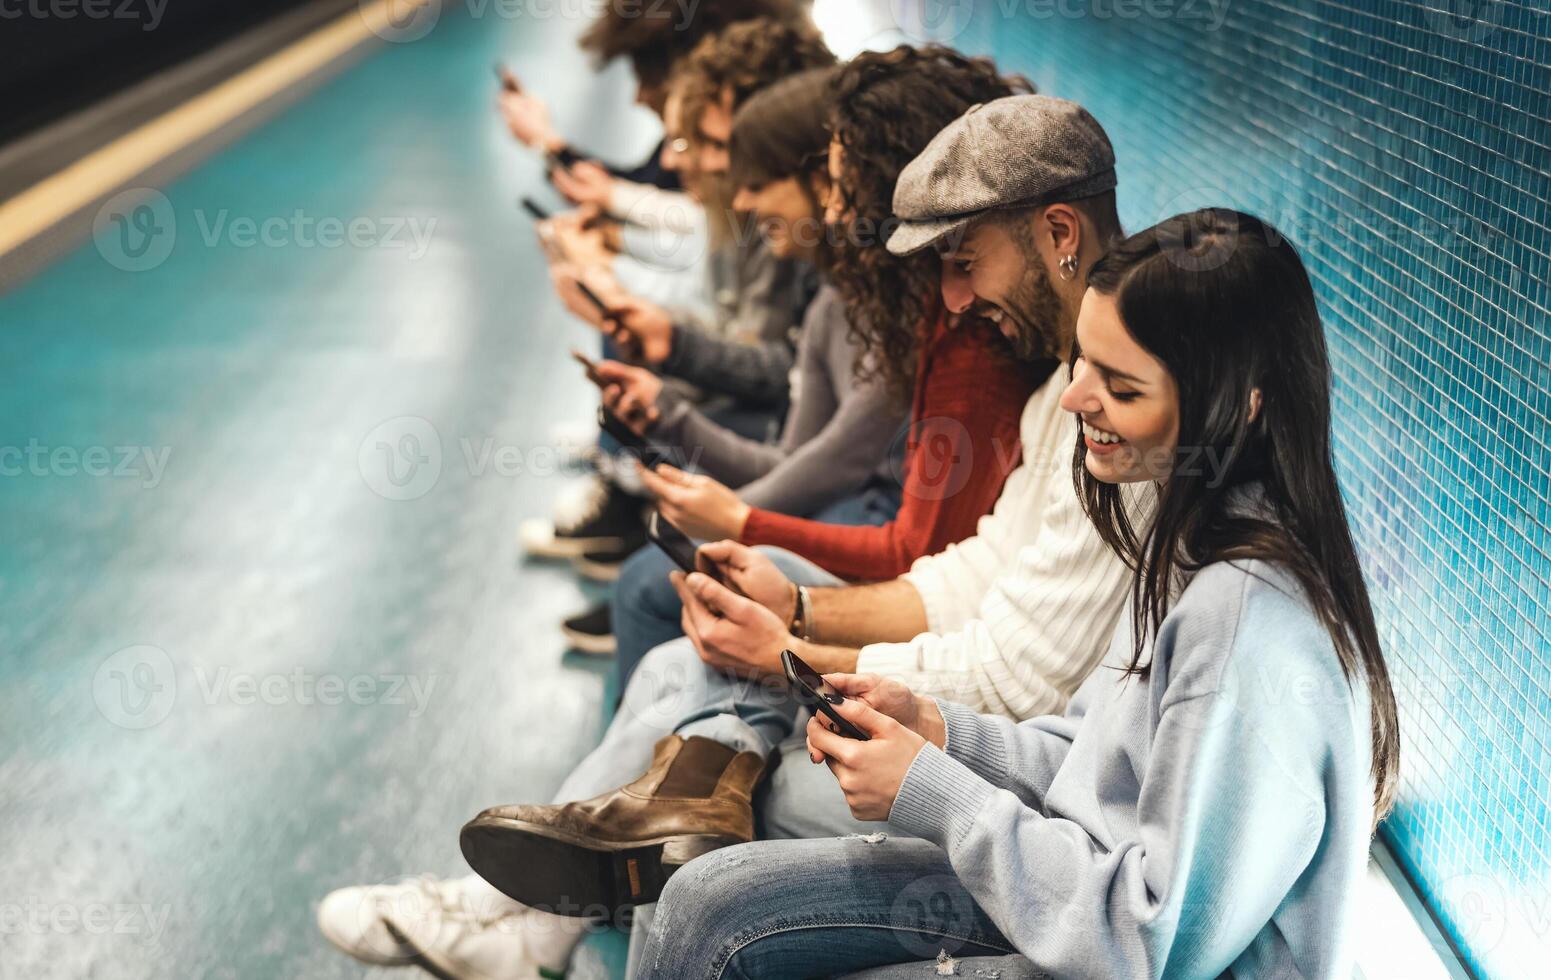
<point x="1204" y="807"/>
<point x="959" y="378"/>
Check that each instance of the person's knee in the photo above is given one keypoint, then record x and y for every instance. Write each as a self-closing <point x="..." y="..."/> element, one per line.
<point x="668" y="682"/>
<point x="705" y="898"/>
<point x="641" y="576"/>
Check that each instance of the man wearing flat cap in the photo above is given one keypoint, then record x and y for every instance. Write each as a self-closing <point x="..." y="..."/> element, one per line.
<point x="1017" y="196"/>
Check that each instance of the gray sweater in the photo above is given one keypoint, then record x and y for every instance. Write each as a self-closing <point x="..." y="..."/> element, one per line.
<point x="747" y="352"/>
<point x="837" y="435"/>
<point x="1211" y="818"/>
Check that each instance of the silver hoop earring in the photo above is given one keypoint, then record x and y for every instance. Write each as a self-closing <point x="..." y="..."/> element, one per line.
<point x="1068" y="267"/>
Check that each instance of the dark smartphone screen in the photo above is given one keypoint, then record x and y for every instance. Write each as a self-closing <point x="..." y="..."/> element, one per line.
<point x="564" y="157"/>
<point x="671" y="540"/>
<point x="535" y="209"/>
<point x="591" y="368"/>
<point x="815" y="692"/>
<point x="627" y="438"/>
<point x="593" y="298"/>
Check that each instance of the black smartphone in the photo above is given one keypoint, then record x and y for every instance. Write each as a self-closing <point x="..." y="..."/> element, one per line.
<point x="535" y="208"/>
<point x="662" y="532"/>
<point x="817" y="693"/>
<point x="564" y="157"/>
<point x="506" y="78"/>
<point x="667" y="536"/>
<point x="626" y="437"/>
<point x="591" y="367"/>
<point x="594" y="299"/>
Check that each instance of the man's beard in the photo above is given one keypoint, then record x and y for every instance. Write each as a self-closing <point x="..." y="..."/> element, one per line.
<point x="1037" y="314"/>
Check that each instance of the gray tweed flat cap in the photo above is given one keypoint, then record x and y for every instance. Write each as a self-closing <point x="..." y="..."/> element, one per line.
<point x="1021" y="151"/>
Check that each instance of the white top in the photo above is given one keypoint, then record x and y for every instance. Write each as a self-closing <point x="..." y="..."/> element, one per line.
<point x="1022" y="612"/>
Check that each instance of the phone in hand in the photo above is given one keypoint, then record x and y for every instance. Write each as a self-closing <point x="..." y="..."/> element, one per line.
<point x="667" y="536"/>
<point x="564" y="159"/>
<point x="662" y="532"/>
<point x="534" y="208"/>
<point x="508" y="81"/>
<point x="815" y="692"/>
<point x="595" y="300"/>
<point x="591" y="367"/>
<point x="626" y="437"/>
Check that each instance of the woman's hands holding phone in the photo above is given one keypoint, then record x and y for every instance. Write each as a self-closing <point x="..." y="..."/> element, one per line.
<point x="731" y="632"/>
<point x="565" y="278"/>
<point x="895" y="700"/>
<point x="528" y="119"/>
<point x="631" y="392"/>
<point x="580" y="239"/>
<point x="696" y="504"/>
<point x="587" y="182"/>
<point x="643" y="329"/>
<point x="870" y="773"/>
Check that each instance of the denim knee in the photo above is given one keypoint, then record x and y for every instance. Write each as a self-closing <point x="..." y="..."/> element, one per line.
<point x="646" y="608"/>
<point x="669" y="682"/>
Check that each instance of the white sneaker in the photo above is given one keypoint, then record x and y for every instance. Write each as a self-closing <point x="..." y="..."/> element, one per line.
<point x="464" y="929"/>
<point x="351" y="918"/>
<point x="571" y="532"/>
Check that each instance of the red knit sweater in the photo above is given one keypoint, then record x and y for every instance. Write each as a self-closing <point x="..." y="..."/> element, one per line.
<point x="962" y="445"/>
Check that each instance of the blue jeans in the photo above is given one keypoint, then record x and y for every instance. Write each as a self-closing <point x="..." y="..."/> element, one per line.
<point x="647" y="609"/>
<point x="808" y="908"/>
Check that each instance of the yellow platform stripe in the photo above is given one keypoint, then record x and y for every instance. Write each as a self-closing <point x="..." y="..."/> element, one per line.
<point x="54" y="198"/>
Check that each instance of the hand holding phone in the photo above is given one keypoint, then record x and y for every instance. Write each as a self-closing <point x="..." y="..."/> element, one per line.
<point x="591" y="367"/>
<point x="813" y="691"/>
<point x="675" y="543"/>
<point x="508" y="81"/>
<point x="626" y="437"/>
<point x="595" y="300"/>
<point x="538" y="211"/>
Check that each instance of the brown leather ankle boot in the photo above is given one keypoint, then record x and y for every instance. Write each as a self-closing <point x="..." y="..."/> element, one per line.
<point x="598" y="857"/>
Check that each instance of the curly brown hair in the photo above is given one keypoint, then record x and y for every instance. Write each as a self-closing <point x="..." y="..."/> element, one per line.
<point x="742" y="59"/>
<point x="887" y="106"/>
<point x="655" y="39"/>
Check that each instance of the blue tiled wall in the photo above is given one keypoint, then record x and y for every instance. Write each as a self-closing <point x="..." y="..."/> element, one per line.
<point x="1406" y="148"/>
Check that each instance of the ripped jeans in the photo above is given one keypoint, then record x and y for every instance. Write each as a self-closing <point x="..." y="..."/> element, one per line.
<point x="815" y="908"/>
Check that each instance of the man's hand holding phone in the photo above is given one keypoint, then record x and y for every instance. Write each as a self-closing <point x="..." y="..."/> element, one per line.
<point x="731" y="632"/>
<point x="752" y="573"/>
<point x="898" y="725"/>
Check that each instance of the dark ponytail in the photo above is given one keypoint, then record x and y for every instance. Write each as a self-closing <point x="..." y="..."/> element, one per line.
<point x="1225" y="303"/>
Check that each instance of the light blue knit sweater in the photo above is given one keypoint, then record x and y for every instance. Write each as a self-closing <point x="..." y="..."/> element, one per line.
<point x="1211" y="818"/>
